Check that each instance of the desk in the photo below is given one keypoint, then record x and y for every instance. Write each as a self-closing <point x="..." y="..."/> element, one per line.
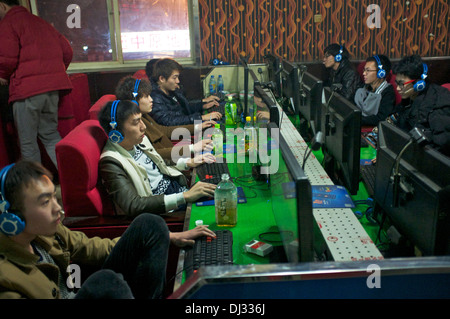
<point x="345" y="238"/>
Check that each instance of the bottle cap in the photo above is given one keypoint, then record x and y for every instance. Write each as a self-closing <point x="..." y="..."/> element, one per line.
<point x="199" y="222"/>
<point x="217" y="125"/>
<point x="248" y="118"/>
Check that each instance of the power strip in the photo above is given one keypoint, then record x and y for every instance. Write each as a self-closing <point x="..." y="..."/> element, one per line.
<point x="344" y="235"/>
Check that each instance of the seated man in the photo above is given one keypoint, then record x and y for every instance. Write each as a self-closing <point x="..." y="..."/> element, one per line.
<point x="134" y="174"/>
<point x="170" y="107"/>
<point x="159" y="135"/>
<point x="377" y="98"/>
<point x="341" y="70"/>
<point x="424" y="105"/>
<point x="35" y="248"/>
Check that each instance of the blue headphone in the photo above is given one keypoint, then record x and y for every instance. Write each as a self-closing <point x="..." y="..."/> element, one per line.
<point x="114" y="135"/>
<point x="381" y="74"/>
<point x="421" y="84"/>
<point x="135" y="92"/>
<point x="10" y="224"/>
<point x="338" y="57"/>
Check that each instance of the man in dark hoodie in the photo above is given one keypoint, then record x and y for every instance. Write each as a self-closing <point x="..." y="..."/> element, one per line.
<point x="424" y="105"/>
<point x="341" y="70"/>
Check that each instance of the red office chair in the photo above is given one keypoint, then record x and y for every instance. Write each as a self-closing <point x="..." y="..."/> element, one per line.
<point x="140" y="74"/>
<point x="97" y="106"/>
<point x="446" y="85"/>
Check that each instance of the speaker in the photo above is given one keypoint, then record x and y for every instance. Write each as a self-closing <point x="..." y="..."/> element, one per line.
<point x="114" y="135"/>
<point x="338" y="57"/>
<point x="10" y="223"/>
<point x="381" y="74"/>
<point x="421" y="84"/>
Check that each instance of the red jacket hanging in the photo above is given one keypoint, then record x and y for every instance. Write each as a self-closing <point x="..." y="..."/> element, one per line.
<point x="33" y="55"/>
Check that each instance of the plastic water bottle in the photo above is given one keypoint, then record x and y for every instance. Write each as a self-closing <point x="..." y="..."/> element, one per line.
<point x="212" y="85"/>
<point x="225" y="201"/>
<point x="220" y="87"/>
<point x="230" y="111"/>
<point x="217" y="137"/>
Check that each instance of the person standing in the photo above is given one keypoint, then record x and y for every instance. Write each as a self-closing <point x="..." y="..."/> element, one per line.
<point x="34" y="58"/>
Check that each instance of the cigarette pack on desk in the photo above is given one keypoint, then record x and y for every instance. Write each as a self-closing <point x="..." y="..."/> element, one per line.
<point x="258" y="247"/>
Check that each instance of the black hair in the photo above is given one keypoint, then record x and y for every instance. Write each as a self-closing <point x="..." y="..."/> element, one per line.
<point x="334" y="49"/>
<point x="165" y="68"/>
<point x="385" y="62"/>
<point x="124" y="110"/>
<point x="11" y="2"/>
<point x="149" y="70"/>
<point x="19" y="177"/>
<point x="125" y="88"/>
<point x="410" y="66"/>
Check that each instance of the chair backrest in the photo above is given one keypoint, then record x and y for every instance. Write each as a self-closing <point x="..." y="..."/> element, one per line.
<point x="78" y="155"/>
<point x="140" y="74"/>
<point x="446" y="85"/>
<point x="97" y="106"/>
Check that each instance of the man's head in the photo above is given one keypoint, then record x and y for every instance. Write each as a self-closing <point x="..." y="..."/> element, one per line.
<point x="127" y="88"/>
<point x="167" y="72"/>
<point x="372" y="72"/>
<point x="411" y="75"/>
<point x="149" y="70"/>
<point x="5" y="5"/>
<point x="31" y="195"/>
<point x="333" y="55"/>
<point x="128" y="122"/>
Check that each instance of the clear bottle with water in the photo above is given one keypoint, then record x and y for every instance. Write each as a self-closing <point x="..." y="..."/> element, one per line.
<point x="226" y="201"/>
<point x="217" y="137"/>
<point x="212" y="85"/>
<point x="220" y="87"/>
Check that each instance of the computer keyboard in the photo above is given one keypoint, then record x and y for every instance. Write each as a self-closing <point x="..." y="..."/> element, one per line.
<point x="209" y="251"/>
<point x="212" y="173"/>
<point x="367" y="173"/>
<point x="218" y="108"/>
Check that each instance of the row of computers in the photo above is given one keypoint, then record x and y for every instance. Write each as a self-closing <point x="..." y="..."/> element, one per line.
<point x="412" y="180"/>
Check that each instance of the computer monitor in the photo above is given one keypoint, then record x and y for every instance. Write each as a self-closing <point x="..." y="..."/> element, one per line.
<point x="311" y="100"/>
<point x="420" y="209"/>
<point x="290" y="86"/>
<point x="292" y="205"/>
<point x="265" y="102"/>
<point x="341" y="126"/>
<point x="274" y="70"/>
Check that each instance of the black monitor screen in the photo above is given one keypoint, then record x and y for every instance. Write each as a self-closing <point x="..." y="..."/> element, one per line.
<point x="292" y="205"/>
<point x="265" y="103"/>
<point x="311" y="100"/>
<point x="420" y="207"/>
<point x="341" y="125"/>
<point x="290" y="86"/>
<point x="273" y="68"/>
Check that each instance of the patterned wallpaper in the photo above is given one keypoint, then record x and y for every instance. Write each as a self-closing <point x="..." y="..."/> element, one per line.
<point x="299" y="30"/>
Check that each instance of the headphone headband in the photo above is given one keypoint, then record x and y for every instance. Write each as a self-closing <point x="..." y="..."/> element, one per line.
<point x="421" y="84"/>
<point x="338" y="57"/>
<point x="114" y="135"/>
<point x="10" y="224"/>
<point x="381" y="74"/>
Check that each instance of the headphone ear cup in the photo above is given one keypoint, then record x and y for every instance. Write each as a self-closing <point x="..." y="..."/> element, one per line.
<point x="381" y="74"/>
<point x="115" y="136"/>
<point x="11" y="224"/>
<point x="419" y="86"/>
<point x="338" y="57"/>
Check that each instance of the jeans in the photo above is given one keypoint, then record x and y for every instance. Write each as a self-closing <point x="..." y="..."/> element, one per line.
<point x="136" y="267"/>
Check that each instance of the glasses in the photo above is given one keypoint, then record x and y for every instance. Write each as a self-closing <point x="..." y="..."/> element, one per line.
<point x="368" y="70"/>
<point x="402" y="84"/>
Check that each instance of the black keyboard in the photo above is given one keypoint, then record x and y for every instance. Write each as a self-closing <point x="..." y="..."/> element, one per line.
<point x="212" y="173"/>
<point x="218" y="108"/>
<point x="209" y="251"/>
<point x="368" y="175"/>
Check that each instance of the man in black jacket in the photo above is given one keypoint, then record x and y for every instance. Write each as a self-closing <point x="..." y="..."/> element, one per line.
<point x="341" y="70"/>
<point x="424" y="105"/>
<point x="170" y="107"/>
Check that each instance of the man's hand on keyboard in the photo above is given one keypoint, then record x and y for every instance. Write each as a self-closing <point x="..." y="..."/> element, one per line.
<point x="186" y="238"/>
<point x="210" y="104"/>
<point x="200" y="159"/>
<point x="199" y="190"/>
<point x="207" y="124"/>
<point x="203" y="145"/>
<point x="212" y="116"/>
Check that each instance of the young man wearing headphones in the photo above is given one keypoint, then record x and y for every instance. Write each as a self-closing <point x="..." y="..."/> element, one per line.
<point x="425" y="105"/>
<point x="36" y="249"/>
<point x="335" y="59"/>
<point x="377" y="98"/>
<point x="134" y="174"/>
